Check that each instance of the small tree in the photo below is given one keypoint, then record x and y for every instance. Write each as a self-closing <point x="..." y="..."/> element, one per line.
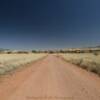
<point x="34" y="51"/>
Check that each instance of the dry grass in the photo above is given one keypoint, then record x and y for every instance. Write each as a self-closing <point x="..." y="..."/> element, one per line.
<point x="9" y="62"/>
<point x="88" y="61"/>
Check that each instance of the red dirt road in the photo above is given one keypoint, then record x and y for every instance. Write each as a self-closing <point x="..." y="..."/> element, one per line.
<point x="50" y="79"/>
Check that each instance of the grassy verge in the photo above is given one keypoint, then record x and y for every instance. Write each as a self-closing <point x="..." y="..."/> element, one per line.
<point x="10" y="62"/>
<point x="87" y="61"/>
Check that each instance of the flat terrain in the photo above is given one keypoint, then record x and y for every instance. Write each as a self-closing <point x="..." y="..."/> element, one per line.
<point x="50" y="78"/>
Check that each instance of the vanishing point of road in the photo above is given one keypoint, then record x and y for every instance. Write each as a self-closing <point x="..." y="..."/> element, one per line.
<point x="50" y="78"/>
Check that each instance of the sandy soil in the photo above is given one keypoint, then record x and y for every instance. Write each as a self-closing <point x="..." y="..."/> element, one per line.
<point x="50" y="78"/>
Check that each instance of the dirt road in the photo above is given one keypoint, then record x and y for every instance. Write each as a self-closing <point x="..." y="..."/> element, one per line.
<point x="50" y="79"/>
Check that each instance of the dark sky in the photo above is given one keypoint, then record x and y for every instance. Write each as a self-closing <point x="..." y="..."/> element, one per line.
<point x="43" y="24"/>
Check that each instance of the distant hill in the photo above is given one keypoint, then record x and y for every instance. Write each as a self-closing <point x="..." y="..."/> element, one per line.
<point x="97" y="46"/>
<point x="92" y="47"/>
<point x="2" y="49"/>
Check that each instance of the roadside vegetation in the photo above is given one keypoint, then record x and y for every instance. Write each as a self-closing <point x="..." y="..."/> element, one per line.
<point x="9" y="62"/>
<point x="88" y="61"/>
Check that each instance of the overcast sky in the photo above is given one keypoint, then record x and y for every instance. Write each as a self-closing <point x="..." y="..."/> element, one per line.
<point x="43" y="24"/>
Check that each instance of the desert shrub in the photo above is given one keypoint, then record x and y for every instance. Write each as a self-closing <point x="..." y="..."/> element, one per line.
<point x="97" y="69"/>
<point x="96" y="54"/>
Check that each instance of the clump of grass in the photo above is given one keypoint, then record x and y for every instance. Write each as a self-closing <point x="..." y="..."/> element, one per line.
<point x="2" y="71"/>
